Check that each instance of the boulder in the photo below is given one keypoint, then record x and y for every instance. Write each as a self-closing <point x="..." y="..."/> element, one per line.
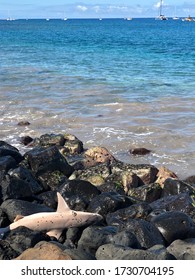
<point x="108" y="202"/>
<point x="146" y="232"/>
<point x="8" y="150"/>
<point x="43" y="160"/>
<point x="23" y="238"/>
<point x="146" y="172"/>
<point x="163" y="174"/>
<point x="181" y="202"/>
<point x="14" y="207"/>
<point x="44" y="251"/>
<point x="135" y="211"/>
<point x="148" y="193"/>
<point x="93" y="237"/>
<point x="99" y="155"/>
<point x="174" y="225"/>
<point x="78" y="190"/>
<point x="183" y="249"/>
<point x="24" y="175"/>
<point x="116" y="252"/>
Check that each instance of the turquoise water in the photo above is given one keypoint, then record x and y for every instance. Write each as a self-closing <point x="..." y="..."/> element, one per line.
<point x="114" y="83"/>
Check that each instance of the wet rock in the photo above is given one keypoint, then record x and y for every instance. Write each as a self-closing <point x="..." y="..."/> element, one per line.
<point x="112" y="187"/>
<point x="77" y="254"/>
<point x="9" y="150"/>
<point x="23" y="238"/>
<point x="163" y="174"/>
<point x="47" y="140"/>
<point x="99" y="155"/>
<point x="51" y="180"/>
<point x="44" y="251"/>
<point x="190" y="180"/>
<point x="116" y="252"/>
<point x="23" y="123"/>
<point x="75" y="190"/>
<point x="48" y="199"/>
<point x="72" y="147"/>
<point x="3" y="219"/>
<point x="6" y="163"/>
<point x="13" y="187"/>
<point x="146" y="193"/>
<point x="72" y="237"/>
<point x="162" y="252"/>
<point x="25" y="175"/>
<point x="102" y="170"/>
<point x="146" y="232"/>
<point x="135" y="211"/>
<point x="174" y="187"/>
<point x="129" y="180"/>
<point x="14" y="207"/>
<point x="93" y="237"/>
<point x="183" y="249"/>
<point x="26" y="140"/>
<point x="108" y="202"/>
<point x="124" y="238"/>
<point x="182" y="227"/>
<point x="6" y="251"/>
<point x="139" y="151"/>
<point x="43" y="160"/>
<point x="182" y="202"/>
<point x="146" y="173"/>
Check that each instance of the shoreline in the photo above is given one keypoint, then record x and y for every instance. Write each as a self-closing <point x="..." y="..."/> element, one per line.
<point x="146" y="211"/>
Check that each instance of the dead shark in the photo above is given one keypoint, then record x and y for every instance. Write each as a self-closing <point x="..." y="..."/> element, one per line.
<point x="53" y="223"/>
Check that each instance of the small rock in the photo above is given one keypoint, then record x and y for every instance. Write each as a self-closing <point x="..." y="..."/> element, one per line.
<point x="23" y="123"/>
<point x="8" y="150"/>
<point x="139" y="151"/>
<point x="26" y="140"/>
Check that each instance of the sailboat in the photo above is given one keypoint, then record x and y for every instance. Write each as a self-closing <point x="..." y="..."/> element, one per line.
<point x="161" y="16"/>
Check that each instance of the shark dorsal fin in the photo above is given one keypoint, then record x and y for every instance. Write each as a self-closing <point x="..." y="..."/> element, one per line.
<point x="62" y="205"/>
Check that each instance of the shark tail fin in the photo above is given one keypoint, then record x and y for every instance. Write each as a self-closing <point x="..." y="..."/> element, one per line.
<point x="3" y="230"/>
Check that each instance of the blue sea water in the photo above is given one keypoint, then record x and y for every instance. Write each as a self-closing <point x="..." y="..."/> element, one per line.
<point x="114" y="83"/>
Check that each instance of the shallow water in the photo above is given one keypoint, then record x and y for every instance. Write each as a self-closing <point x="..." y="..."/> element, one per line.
<point x="113" y="83"/>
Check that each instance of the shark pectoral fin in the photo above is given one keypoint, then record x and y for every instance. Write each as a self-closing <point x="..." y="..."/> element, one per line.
<point x="62" y="205"/>
<point x="55" y="233"/>
<point x="18" y="217"/>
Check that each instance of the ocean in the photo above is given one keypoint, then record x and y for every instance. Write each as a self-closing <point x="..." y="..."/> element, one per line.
<point x="114" y="83"/>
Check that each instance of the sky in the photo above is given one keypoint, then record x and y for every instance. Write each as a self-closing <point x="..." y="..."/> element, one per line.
<point x="94" y="9"/>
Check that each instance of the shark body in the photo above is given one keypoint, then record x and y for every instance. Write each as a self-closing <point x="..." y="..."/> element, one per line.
<point x="54" y="222"/>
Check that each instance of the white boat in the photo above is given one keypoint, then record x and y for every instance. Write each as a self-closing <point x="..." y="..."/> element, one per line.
<point x="161" y="16"/>
<point x="189" y="18"/>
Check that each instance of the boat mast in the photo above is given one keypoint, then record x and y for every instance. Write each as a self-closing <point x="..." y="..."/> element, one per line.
<point x="160" y="7"/>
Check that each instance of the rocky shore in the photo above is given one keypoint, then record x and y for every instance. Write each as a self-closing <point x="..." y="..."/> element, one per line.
<point x="148" y="212"/>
